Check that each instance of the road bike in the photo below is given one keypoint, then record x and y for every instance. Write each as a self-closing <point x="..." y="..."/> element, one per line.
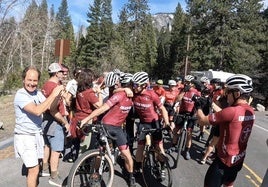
<point x="151" y="165"/>
<point x="182" y="137"/>
<point x="95" y="167"/>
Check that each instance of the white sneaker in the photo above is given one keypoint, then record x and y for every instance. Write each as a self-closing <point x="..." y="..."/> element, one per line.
<point x="57" y="181"/>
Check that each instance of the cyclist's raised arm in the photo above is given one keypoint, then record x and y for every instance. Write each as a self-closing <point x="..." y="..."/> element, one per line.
<point x="202" y="118"/>
<point x="95" y="113"/>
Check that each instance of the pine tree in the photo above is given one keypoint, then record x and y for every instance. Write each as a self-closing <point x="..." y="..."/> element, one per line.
<point x="65" y="29"/>
<point x="141" y="52"/>
<point x="178" y="43"/>
<point x="96" y="51"/>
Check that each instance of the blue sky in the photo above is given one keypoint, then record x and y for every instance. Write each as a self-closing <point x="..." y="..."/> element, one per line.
<point x="79" y="8"/>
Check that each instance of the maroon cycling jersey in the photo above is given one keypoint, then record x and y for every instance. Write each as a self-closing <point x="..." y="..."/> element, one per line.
<point x="170" y="96"/>
<point x="235" y="128"/>
<point x="145" y="104"/>
<point x="84" y="103"/>
<point x="187" y="104"/>
<point x="120" y="106"/>
<point x="47" y="90"/>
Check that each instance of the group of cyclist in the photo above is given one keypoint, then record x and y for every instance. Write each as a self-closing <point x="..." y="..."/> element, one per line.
<point x="117" y="98"/>
<point x="134" y="96"/>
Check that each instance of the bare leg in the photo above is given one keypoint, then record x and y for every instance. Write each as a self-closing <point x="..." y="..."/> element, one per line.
<point x="32" y="176"/>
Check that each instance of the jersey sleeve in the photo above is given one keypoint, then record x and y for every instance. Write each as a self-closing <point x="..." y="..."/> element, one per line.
<point x="115" y="98"/>
<point x="223" y="116"/>
<point x="155" y="99"/>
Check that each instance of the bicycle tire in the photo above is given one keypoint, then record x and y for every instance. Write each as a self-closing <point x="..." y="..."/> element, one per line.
<point x="83" y="168"/>
<point x="150" y="172"/>
<point x="180" y="146"/>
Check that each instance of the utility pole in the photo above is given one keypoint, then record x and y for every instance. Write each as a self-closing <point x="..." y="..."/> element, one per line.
<point x="187" y="57"/>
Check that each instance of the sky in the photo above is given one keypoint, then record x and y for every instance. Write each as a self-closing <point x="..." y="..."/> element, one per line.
<point x="78" y="8"/>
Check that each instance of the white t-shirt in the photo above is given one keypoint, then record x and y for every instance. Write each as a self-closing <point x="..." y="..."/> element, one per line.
<point x="27" y="123"/>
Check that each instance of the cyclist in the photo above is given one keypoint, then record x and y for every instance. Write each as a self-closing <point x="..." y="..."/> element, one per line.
<point x="236" y="122"/>
<point x="217" y="90"/>
<point x="179" y="85"/>
<point x="186" y="106"/>
<point x="170" y="100"/>
<point x="145" y="101"/>
<point x="159" y="90"/>
<point x="118" y="107"/>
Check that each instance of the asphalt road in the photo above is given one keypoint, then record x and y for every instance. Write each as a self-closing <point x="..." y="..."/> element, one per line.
<point x="188" y="173"/>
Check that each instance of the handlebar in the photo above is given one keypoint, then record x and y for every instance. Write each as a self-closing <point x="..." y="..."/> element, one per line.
<point x="96" y="128"/>
<point x="186" y="116"/>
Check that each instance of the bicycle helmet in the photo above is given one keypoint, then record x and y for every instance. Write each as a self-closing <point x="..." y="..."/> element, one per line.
<point x="111" y="79"/>
<point x="160" y="82"/>
<point x="189" y="78"/>
<point x="126" y="78"/>
<point x="215" y="81"/>
<point x="241" y="82"/>
<point x="172" y="83"/>
<point x="178" y="79"/>
<point x="204" y="79"/>
<point x="140" y="77"/>
<point x="117" y="71"/>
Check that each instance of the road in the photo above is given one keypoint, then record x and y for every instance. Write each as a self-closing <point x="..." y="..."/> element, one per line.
<point x="188" y="174"/>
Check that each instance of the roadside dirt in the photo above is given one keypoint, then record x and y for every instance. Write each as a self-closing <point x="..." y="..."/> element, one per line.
<point x="7" y="116"/>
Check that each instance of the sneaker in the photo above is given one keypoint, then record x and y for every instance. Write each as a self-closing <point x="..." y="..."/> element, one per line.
<point x="132" y="182"/>
<point x="57" y="181"/>
<point x="203" y="161"/>
<point x="187" y="155"/>
<point x="44" y="173"/>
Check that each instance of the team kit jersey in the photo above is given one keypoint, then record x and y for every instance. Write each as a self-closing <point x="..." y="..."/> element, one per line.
<point x="171" y="96"/>
<point x="84" y="103"/>
<point x="187" y="104"/>
<point x="120" y="106"/>
<point x="145" y="104"/>
<point x="160" y="91"/>
<point x="235" y="128"/>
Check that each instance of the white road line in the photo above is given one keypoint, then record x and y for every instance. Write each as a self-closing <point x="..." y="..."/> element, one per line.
<point x="261" y="127"/>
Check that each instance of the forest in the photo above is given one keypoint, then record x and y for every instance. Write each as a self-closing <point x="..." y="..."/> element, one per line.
<point x="226" y="35"/>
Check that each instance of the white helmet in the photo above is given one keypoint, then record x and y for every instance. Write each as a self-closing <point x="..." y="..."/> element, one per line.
<point x="241" y="82"/>
<point x="126" y="78"/>
<point x="140" y="77"/>
<point x="189" y="78"/>
<point x="172" y="83"/>
<point x="204" y="79"/>
<point x="111" y="79"/>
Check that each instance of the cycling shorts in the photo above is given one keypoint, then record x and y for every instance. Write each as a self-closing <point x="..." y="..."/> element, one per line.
<point x="179" y="122"/>
<point x="218" y="173"/>
<point x="170" y="109"/>
<point x="118" y="132"/>
<point x="157" y="135"/>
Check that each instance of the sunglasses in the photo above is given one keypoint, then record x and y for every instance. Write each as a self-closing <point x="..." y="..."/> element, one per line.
<point x="136" y="85"/>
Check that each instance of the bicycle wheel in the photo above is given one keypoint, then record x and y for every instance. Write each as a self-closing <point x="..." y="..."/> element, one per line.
<point x="181" y="146"/>
<point x="91" y="169"/>
<point x="151" y="172"/>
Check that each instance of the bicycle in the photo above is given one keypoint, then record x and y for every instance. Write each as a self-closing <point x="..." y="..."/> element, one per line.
<point x="95" y="167"/>
<point x="151" y="166"/>
<point x="181" y="142"/>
